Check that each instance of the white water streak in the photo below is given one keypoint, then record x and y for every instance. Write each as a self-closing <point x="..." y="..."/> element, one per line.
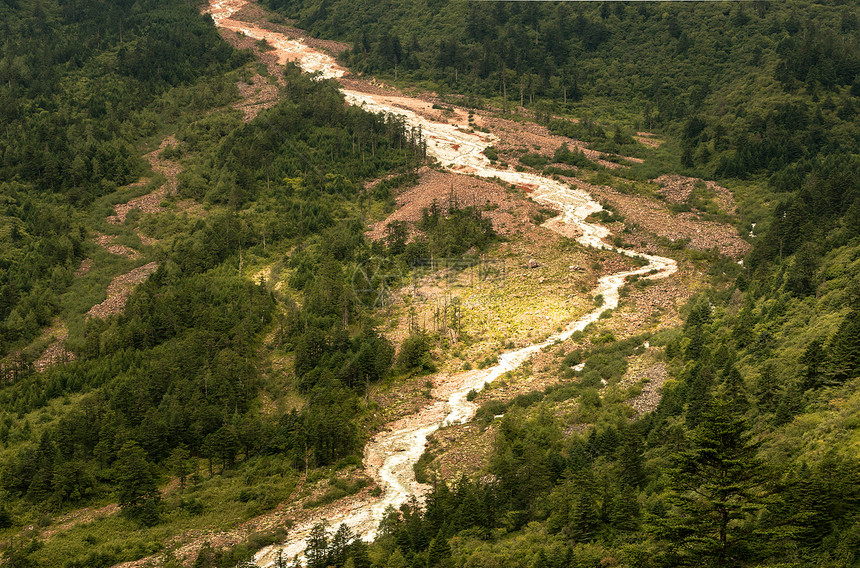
<point x="459" y="149"/>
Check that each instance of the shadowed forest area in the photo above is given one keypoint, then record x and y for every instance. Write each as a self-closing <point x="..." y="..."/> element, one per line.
<point x="246" y="365"/>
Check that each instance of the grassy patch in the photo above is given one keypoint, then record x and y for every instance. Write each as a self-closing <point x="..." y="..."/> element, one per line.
<point x="339" y="489"/>
<point x="218" y="504"/>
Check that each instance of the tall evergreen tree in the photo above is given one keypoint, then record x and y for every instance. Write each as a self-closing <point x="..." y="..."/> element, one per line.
<point x="439" y="550"/>
<point x="716" y="490"/>
<point x="137" y="490"/>
<point x="845" y="348"/>
<point x="317" y="546"/>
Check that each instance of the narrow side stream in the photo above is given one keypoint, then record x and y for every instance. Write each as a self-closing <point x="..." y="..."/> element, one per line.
<point x="390" y="455"/>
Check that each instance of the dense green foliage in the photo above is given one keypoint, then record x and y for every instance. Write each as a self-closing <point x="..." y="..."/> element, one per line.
<point x="441" y="232"/>
<point x="77" y="78"/>
<point x="750" y="458"/>
<point x="749" y="88"/>
<point x="176" y="368"/>
<point x="172" y="383"/>
<point x="79" y="86"/>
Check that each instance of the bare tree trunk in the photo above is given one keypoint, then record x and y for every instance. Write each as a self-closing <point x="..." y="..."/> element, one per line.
<point x="504" y="89"/>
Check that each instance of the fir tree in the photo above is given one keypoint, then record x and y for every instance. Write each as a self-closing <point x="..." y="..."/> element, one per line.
<point x="439" y="550"/>
<point x="358" y="554"/>
<point x="339" y="547"/>
<point x="137" y="492"/>
<point x="317" y="546"/>
<point x="845" y="349"/>
<point x="716" y="491"/>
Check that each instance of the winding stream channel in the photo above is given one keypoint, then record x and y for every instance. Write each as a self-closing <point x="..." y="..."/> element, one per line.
<point x="390" y="455"/>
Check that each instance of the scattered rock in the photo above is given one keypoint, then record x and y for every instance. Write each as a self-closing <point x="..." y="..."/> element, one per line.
<point x="677" y="189"/>
<point x="107" y="243"/>
<point x="257" y="95"/>
<point x="119" y="290"/>
<point x="655" y="376"/>
<point x="86" y="265"/>
<point x="55" y="354"/>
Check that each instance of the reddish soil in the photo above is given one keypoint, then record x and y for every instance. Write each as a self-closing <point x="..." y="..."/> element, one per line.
<point x="240" y="41"/>
<point x="677" y="189"/>
<point x="55" y="354"/>
<point x="647" y="139"/>
<point x="119" y="290"/>
<point x="464" y="449"/>
<point x="654" y="377"/>
<point x="467" y="445"/>
<point x="253" y="13"/>
<point x="107" y="243"/>
<point x="79" y="517"/>
<point x="654" y="217"/>
<point x="257" y="95"/>
<point x="508" y="212"/>
<point x="149" y="203"/>
<point x="518" y="138"/>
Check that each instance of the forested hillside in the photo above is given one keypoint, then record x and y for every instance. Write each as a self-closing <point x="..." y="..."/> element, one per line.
<point x="250" y="363"/>
<point x="749" y="460"/>
<point x="170" y="385"/>
<point x="751" y="457"/>
<point x="749" y="88"/>
<point x="81" y="86"/>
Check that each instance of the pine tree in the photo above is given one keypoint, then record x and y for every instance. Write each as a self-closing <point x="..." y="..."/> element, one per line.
<point x="358" y="554"/>
<point x="734" y="389"/>
<point x="317" y="546"/>
<point x="624" y="513"/>
<point x="813" y="359"/>
<point x="180" y="464"/>
<point x="439" y="550"/>
<point x="631" y="462"/>
<point x="845" y="349"/>
<point x="340" y="545"/>
<point x="137" y="491"/>
<point x="5" y="517"/>
<point x="700" y="379"/>
<point x="396" y="560"/>
<point x="790" y="403"/>
<point x="716" y="490"/>
<point x="584" y="518"/>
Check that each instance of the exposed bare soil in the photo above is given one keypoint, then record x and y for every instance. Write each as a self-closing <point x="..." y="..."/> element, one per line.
<point x="518" y="138"/>
<point x="56" y="351"/>
<point x="79" y="517"/>
<point x="648" y="139"/>
<point x="656" y="218"/>
<point x="119" y="290"/>
<point x="508" y="212"/>
<point x="677" y="189"/>
<point x="257" y="95"/>
<point x="86" y="265"/>
<point x="168" y="168"/>
<point x="652" y="379"/>
<point x="149" y="203"/>
<point x="240" y="41"/>
<point x="107" y="243"/>
<point x="464" y="447"/>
